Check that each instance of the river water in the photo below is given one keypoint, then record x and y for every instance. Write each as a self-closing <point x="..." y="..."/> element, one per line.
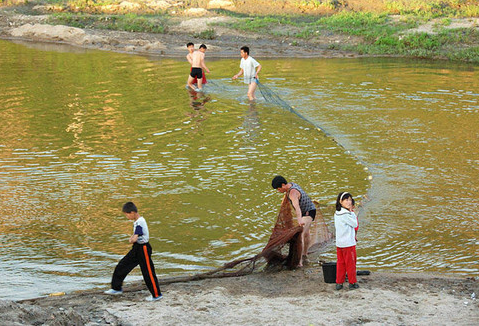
<point x="85" y="131"/>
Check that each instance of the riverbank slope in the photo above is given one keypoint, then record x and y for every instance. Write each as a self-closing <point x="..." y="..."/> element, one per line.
<point x="148" y="28"/>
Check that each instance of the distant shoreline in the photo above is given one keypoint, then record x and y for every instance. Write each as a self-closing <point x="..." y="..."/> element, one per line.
<point x="224" y="36"/>
<point x="134" y="27"/>
<point x="160" y="45"/>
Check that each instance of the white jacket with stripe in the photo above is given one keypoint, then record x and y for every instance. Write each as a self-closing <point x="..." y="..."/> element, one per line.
<point x="345" y="222"/>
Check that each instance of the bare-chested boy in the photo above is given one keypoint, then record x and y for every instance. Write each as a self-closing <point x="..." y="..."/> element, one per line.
<point x="197" y="64"/>
<point x="191" y="48"/>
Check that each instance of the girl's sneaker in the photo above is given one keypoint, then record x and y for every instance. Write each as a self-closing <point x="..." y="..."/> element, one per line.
<point x="339" y="286"/>
<point x="353" y="286"/>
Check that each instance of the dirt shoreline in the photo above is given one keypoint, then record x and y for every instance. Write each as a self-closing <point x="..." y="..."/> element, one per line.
<point x="33" y="28"/>
<point x="298" y="297"/>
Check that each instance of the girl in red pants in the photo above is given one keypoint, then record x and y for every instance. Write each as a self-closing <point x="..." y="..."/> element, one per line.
<point x="346" y="223"/>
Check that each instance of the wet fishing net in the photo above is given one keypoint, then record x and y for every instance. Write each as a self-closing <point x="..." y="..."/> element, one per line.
<point x="286" y="237"/>
<point x="283" y="249"/>
<point x="272" y="98"/>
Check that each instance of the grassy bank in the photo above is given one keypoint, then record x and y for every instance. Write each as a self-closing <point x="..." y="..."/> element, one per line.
<point x="376" y="27"/>
<point x="380" y="34"/>
<point x="118" y="22"/>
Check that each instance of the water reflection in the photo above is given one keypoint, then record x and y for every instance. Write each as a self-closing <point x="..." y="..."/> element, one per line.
<point x="251" y="123"/>
<point x="198" y="113"/>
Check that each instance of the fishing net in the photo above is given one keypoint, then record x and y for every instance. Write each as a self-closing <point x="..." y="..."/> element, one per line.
<point x="283" y="249"/>
<point x="272" y="98"/>
<point x="286" y="232"/>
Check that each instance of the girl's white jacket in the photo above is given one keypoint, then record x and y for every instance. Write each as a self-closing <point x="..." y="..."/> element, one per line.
<point x="345" y="222"/>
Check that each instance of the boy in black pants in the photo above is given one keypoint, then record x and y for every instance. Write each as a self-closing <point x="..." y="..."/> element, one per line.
<point x="140" y="254"/>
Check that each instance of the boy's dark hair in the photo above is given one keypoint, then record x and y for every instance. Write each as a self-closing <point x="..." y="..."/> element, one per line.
<point x="344" y="195"/>
<point x="278" y="182"/>
<point x="202" y="46"/>
<point x="129" y="207"/>
<point x="245" y="49"/>
<point x="189" y="43"/>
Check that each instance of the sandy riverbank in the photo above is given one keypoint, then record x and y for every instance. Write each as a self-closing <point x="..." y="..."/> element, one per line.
<point x="16" y="26"/>
<point x="297" y="297"/>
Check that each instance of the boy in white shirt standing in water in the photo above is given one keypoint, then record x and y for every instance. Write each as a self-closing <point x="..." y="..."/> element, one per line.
<point x="248" y="67"/>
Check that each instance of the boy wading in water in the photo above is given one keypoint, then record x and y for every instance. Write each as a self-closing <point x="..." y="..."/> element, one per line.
<point x="191" y="49"/>
<point x="303" y="207"/>
<point x="140" y="254"/>
<point x="248" y="67"/>
<point x="197" y="66"/>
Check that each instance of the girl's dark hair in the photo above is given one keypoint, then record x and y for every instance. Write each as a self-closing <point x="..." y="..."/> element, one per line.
<point x="338" y="200"/>
<point x="278" y="182"/>
<point x="202" y="46"/>
<point x="129" y="207"/>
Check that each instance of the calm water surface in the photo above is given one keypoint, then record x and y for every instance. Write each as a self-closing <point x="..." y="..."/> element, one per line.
<point x="85" y="131"/>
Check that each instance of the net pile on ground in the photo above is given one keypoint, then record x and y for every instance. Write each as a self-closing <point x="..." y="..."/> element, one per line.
<point x="284" y="237"/>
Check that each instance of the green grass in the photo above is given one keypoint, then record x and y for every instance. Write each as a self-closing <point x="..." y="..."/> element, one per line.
<point x="128" y="22"/>
<point x="457" y="44"/>
<point x="367" y="25"/>
<point x="208" y="34"/>
<point x="433" y="8"/>
<point x="380" y="34"/>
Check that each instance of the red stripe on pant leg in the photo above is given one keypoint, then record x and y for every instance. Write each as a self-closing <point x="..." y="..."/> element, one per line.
<point x="147" y="258"/>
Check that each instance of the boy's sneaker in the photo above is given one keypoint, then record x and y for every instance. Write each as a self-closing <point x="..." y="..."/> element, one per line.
<point x="353" y="286"/>
<point x="152" y="298"/>
<point x="339" y="286"/>
<point x="113" y="292"/>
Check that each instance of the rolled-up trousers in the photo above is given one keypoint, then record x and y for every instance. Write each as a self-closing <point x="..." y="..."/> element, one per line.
<point x="346" y="264"/>
<point x="140" y="254"/>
